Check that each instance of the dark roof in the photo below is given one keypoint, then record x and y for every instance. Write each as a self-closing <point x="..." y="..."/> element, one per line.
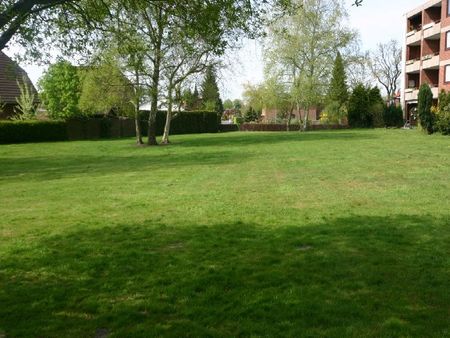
<point x="10" y="73"/>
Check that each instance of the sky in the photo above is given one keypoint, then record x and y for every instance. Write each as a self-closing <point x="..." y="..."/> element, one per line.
<point x="376" y="20"/>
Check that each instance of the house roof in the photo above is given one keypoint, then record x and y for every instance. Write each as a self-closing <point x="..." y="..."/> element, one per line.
<point x="10" y="73"/>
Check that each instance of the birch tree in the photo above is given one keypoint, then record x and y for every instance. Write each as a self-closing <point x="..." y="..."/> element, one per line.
<point x="183" y="61"/>
<point x="303" y="46"/>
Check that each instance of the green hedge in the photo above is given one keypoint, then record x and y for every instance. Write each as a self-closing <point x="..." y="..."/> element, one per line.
<point x="32" y="131"/>
<point x="186" y="122"/>
<point x="90" y="129"/>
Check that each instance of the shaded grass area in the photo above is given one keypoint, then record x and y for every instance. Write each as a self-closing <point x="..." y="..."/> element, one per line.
<point x="323" y="234"/>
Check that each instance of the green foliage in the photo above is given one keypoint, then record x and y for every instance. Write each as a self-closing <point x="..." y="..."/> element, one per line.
<point x="61" y="89"/>
<point x="376" y="107"/>
<point x="32" y="131"/>
<point x="106" y="90"/>
<point x="237" y="120"/>
<point x="26" y="102"/>
<point x="191" y="99"/>
<point x="358" y="108"/>
<point x="251" y="115"/>
<point x="425" y="102"/>
<point x="338" y="91"/>
<point x="335" y="112"/>
<point x="442" y="123"/>
<point x="393" y="116"/>
<point x="228" y="104"/>
<point x="210" y="92"/>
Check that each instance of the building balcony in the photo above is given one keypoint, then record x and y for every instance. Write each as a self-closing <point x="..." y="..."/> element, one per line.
<point x="412" y="66"/>
<point x="414" y="37"/>
<point x="411" y="94"/>
<point x="431" y="61"/>
<point x="432" y="31"/>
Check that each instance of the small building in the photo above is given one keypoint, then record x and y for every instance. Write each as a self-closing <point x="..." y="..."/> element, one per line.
<point x="10" y="74"/>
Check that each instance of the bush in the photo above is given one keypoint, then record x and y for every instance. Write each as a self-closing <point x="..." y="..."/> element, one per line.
<point x="393" y="116"/>
<point x="425" y="102"/>
<point x="376" y="107"/>
<point x="443" y="121"/>
<point x="32" y="131"/>
<point x="334" y="112"/>
<point x="359" y="115"/>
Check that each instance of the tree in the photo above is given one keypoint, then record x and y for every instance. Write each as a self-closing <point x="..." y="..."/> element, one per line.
<point x="182" y="63"/>
<point x="210" y="91"/>
<point x="105" y="89"/>
<point x="228" y="104"/>
<point x="251" y="115"/>
<point x="385" y="63"/>
<point x="61" y="89"/>
<point x="425" y="102"/>
<point x="376" y="107"/>
<point x="254" y="96"/>
<point x="359" y="115"/>
<point x="26" y="102"/>
<point x="302" y="47"/>
<point x="338" y="91"/>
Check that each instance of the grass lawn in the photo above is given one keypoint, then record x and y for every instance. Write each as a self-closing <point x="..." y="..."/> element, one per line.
<point x="336" y="234"/>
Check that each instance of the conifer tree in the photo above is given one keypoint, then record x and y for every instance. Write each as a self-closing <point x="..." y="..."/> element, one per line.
<point x="425" y="102"/>
<point x="210" y="92"/>
<point x="338" y="91"/>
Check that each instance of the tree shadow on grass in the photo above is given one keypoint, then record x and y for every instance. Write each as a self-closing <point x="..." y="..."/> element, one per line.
<point x="355" y="276"/>
<point x="64" y="165"/>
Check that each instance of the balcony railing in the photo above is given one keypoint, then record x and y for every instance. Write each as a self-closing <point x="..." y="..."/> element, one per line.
<point x="412" y="66"/>
<point x="432" y="30"/>
<point x="430" y="61"/>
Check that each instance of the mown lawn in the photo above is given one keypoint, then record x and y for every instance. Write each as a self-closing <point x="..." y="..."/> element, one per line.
<point x="336" y="234"/>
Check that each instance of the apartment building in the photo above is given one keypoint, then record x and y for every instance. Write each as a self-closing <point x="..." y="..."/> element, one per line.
<point x="427" y="52"/>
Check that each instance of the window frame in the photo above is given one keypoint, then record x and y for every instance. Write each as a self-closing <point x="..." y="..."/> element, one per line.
<point x="448" y="8"/>
<point x="447" y="74"/>
<point x="447" y="39"/>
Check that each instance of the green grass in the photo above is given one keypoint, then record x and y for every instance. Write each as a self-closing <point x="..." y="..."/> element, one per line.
<point x="336" y="234"/>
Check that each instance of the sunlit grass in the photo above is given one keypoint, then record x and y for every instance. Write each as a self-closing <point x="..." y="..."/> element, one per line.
<point x="330" y="234"/>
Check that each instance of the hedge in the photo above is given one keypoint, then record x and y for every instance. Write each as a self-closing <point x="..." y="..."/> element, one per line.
<point x="101" y="128"/>
<point x="32" y="131"/>
<point x="186" y="122"/>
<point x="282" y="127"/>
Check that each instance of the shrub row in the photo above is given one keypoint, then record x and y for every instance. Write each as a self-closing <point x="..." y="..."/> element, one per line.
<point x="32" y="131"/>
<point x="97" y="128"/>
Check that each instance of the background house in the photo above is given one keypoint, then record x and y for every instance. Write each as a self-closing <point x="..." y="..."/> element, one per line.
<point x="10" y="74"/>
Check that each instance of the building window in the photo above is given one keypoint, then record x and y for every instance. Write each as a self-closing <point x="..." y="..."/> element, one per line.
<point x="448" y="7"/>
<point x="447" y="74"/>
<point x="447" y="40"/>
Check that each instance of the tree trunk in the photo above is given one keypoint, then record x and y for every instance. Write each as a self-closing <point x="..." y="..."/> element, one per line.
<point x="306" y="118"/>
<point x="154" y="104"/>
<point x="137" y="119"/>
<point x="165" y="139"/>
<point x="154" y="93"/>
<point x="288" y="121"/>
